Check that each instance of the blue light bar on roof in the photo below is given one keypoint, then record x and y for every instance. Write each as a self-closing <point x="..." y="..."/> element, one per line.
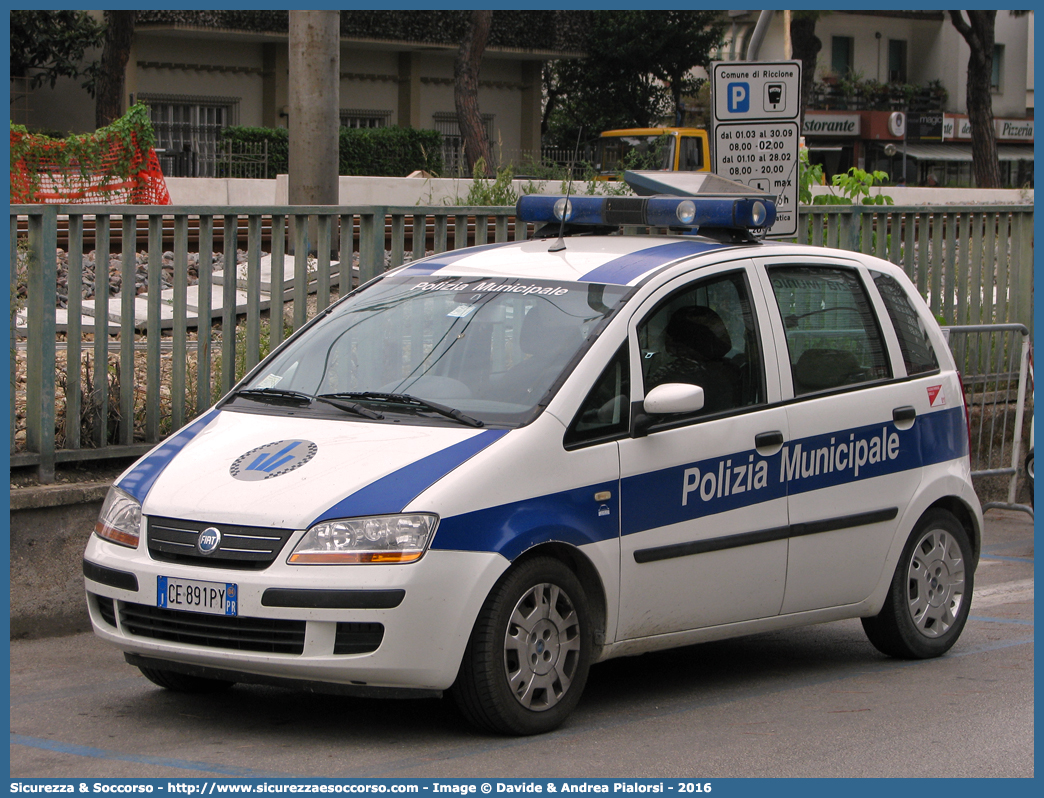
<point x="747" y="213"/>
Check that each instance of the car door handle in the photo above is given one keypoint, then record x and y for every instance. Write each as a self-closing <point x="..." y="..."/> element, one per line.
<point x="904" y="414"/>
<point x="768" y="440"/>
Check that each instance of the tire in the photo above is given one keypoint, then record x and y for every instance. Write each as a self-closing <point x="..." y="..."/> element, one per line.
<point x="183" y="682"/>
<point x="526" y="663"/>
<point x="930" y="595"/>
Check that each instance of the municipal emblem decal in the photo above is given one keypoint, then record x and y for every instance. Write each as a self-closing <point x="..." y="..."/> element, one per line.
<point x="272" y="460"/>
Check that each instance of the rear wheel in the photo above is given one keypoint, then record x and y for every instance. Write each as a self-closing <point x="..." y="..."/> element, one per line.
<point x="526" y="663"/>
<point x="183" y="682"/>
<point x="930" y="596"/>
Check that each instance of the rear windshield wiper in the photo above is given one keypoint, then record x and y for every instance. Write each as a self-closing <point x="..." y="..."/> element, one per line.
<point x="405" y="398"/>
<point x="277" y="396"/>
<point x="349" y="407"/>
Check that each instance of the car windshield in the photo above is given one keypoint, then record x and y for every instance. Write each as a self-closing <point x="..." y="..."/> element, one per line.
<point x="420" y="345"/>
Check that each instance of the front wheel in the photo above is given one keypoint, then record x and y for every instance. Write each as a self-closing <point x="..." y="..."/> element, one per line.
<point x="930" y="595"/>
<point x="526" y="663"/>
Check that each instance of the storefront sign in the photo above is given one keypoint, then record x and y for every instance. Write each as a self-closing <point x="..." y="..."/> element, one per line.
<point x="832" y="125"/>
<point x="926" y="127"/>
<point x="897" y="124"/>
<point x="959" y="127"/>
<point x="1014" y="129"/>
<point x="956" y="127"/>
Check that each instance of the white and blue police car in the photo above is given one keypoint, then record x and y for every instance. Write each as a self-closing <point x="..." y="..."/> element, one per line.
<point x="489" y="469"/>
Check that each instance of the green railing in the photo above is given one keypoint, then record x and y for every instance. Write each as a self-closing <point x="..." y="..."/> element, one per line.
<point x="160" y="371"/>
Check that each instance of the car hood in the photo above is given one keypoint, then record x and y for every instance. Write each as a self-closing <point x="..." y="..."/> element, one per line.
<point x="289" y="471"/>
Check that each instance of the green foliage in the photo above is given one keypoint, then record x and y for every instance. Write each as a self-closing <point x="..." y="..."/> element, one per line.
<point x="854" y="92"/>
<point x="499" y="191"/>
<point x="855" y="185"/>
<point x="532" y="30"/>
<point x="389" y="151"/>
<point x="810" y="174"/>
<point x="47" y="45"/>
<point x="383" y="152"/>
<point x="109" y="152"/>
<point x="636" y="71"/>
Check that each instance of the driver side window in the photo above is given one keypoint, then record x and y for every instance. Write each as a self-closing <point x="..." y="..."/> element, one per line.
<point x="706" y="335"/>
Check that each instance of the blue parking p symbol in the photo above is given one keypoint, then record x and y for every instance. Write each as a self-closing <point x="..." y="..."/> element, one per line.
<point x="738" y="98"/>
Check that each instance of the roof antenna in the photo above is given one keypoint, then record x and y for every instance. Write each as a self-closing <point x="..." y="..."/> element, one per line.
<point x="559" y="245"/>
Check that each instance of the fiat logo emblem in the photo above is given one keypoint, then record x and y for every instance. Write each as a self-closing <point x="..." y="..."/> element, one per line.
<point x="209" y="540"/>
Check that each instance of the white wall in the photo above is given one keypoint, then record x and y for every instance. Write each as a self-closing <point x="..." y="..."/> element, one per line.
<point x="409" y="191"/>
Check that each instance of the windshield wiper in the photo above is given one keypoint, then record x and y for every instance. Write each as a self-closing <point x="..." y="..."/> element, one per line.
<point x="350" y="407"/>
<point x="275" y="396"/>
<point x="405" y="398"/>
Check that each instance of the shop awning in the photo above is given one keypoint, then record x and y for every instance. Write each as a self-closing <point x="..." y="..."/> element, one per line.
<point x="962" y="152"/>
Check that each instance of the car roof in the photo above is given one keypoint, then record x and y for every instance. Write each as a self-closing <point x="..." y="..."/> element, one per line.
<point x="610" y="259"/>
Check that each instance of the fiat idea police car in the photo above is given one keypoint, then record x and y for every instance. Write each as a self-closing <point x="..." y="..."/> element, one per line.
<point x="487" y="470"/>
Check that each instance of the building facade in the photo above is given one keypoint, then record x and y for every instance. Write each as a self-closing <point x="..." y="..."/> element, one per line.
<point x="201" y="71"/>
<point x="876" y="64"/>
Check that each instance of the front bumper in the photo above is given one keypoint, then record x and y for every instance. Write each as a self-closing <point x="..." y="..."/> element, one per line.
<point x="365" y="626"/>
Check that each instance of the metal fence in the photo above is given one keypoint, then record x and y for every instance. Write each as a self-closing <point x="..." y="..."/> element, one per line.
<point x="974" y="264"/>
<point x="160" y="366"/>
<point x="993" y="360"/>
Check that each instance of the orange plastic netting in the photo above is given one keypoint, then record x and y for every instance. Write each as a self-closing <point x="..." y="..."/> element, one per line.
<point x="120" y="174"/>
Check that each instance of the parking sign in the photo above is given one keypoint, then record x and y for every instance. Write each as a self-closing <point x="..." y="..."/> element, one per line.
<point x="739" y="98"/>
<point x="755" y="135"/>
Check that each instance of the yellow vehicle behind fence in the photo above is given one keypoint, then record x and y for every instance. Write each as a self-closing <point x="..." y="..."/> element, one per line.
<point x="668" y="149"/>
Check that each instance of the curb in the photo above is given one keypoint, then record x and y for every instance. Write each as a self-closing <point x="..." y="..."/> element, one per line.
<point x="58" y="495"/>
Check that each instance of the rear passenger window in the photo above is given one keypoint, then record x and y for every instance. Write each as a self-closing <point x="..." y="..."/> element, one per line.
<point x="832" y="334"/>
<point x="918" y="354"/>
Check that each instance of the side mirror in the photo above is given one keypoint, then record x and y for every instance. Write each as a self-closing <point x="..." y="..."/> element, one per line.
<point x="671" y="398"/>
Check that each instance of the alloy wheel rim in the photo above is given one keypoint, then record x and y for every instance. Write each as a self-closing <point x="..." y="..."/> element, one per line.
<point x="935" y="591"/>
<point x="542" y="647"/>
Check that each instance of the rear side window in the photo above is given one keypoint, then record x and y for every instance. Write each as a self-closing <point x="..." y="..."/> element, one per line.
<point x="833" y="337"/>
<point x="918" y="354"/>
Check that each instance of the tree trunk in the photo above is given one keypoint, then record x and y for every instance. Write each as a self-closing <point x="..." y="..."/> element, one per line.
<point x="979" y="33"/>
<point x="119" y="33"/>
<point x="805" y="46"/>
<point x="465" y="90"/>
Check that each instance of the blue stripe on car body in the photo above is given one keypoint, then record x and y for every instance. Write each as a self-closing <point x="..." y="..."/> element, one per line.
<point x="571" y="516"/>
<point x="444" y="259"/>
<point x="140" y="480"/>
<point x="655" y="499"/>
<point x="392" y="492"/>
<point x="625" y="269"/>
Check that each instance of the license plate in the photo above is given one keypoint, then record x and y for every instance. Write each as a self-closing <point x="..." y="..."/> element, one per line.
<point x="212" y="598"/>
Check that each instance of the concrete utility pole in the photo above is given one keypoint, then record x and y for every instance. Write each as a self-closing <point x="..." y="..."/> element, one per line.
<point x="315" y="67"/>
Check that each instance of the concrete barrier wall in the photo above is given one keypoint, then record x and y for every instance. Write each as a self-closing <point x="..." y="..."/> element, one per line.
<point x="50" y="527"/>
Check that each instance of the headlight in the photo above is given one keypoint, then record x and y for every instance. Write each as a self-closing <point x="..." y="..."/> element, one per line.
<point x="378" y="539"/>
<point x="119" y="519"/>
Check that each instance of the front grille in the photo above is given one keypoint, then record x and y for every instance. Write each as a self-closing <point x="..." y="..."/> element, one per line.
<point x="242" y="547"/>
<point x="358" y="638"/>
<point x="106" y="608"/>
<point x="213" y="631"/>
